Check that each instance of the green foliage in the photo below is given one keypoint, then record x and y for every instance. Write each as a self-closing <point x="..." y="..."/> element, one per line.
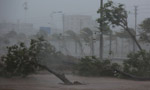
<point x="91" y="66"/>
<point x="22" y="61"/>
<point x="19" y="61"/>
<point x="114" y="14"/>
<point x="138" y="64"/>
<point x="145" y="30"/>
<point x="145" y="25"/>
<point x="42" y="49"/>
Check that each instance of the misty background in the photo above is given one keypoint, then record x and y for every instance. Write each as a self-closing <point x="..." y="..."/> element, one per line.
<point x="30" y="15"/>
<point x="39" y="11"/>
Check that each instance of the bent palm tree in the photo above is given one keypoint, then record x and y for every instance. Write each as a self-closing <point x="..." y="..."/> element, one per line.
<point x="76" y="39"/>
<point x="87" y="35"/>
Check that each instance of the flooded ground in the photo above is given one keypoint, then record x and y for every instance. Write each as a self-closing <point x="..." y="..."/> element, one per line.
<point x="50" y="82"/>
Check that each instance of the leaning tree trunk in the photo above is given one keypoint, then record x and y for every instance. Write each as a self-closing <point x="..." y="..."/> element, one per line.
<point x="132" y="36"/>
<point x="60" y="76"/>
<point x="126" y="28"/>
<point x="116" y="46"/>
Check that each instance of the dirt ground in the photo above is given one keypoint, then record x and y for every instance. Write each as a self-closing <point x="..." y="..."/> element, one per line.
<point x="50" y="82"/>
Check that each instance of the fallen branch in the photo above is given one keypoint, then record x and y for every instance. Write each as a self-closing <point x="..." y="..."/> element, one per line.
<point x="132" y="76"/>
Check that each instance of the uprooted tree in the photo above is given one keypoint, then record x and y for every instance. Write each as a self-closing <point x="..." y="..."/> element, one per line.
<point x="22" y="60"/>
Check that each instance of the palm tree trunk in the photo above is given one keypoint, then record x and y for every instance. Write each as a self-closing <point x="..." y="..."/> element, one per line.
<point x="116" y="46"/>
<point x="92" y="46"/>
<point x="76" y="47"/>
<point x="122" y="47"/>
<point x="110" y="44"/>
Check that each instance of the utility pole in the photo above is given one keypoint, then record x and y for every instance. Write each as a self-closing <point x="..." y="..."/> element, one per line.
<point x="63" y="32"/>
<point x="92" y="45"/>
<point x="101" y="32"/>
<point x="134" y="45"/>
<point x="80" y="24"/>
<point x="25" y="5"/>
<point x="63" y="22"/>
<point x="64" y="42"/>
<point x="110" y="44"/>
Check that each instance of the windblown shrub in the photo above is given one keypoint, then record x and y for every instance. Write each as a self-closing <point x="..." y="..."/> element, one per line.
<point x="18" y="61"/>
<point x="138" y="64"/>
<point x="22" y="61"/>
<point x="92" y="66"/>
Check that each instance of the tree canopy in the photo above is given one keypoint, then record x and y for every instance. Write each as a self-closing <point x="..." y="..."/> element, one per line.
<point x="113" y="14"/>
<point x="116" y="15"/>
<point x="145" y="30"/>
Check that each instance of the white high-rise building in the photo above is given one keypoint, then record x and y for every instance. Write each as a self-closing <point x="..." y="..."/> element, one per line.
<point x="78" y="22"/>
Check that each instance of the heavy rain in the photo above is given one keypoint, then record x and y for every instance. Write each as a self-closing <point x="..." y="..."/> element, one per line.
<point x="74" y="44"/>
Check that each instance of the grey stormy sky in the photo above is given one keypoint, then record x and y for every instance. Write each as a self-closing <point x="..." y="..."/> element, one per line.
<point x="39" y="10"/>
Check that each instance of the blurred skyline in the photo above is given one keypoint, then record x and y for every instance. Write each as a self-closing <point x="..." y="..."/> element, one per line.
<point x="39" y="11"/>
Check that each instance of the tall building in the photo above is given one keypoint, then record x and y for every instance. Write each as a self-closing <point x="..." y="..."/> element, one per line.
<point x="78" y="22"/>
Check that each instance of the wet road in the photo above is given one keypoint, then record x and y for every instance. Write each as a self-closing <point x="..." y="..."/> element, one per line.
<point x="50" y="82"/>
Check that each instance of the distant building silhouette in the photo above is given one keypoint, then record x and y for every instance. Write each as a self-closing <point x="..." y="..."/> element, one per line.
<point x="26" y="28"/>
<point x="78" y="22"/>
